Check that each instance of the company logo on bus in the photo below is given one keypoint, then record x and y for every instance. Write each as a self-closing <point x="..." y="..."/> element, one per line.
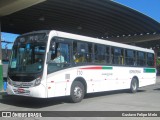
<point x="134" y="71"/>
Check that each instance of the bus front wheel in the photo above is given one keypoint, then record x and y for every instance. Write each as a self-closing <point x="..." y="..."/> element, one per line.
<point x="134" y="85"/>
<point x="77" y="92"/>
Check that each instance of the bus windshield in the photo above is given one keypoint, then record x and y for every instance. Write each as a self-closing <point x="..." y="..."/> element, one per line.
<point x="27" y="57"/>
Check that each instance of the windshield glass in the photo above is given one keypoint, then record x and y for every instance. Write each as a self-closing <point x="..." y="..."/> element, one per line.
<point x="27" y="55"/>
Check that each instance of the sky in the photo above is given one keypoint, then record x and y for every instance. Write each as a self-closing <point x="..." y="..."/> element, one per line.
<point x="8" y="37"/>
<point x="150" y="8"/>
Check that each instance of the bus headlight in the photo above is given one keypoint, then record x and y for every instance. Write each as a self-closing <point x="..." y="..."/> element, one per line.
<point x="38" y="81"/>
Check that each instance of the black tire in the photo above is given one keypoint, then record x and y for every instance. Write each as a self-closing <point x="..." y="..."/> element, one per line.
<point x="77" y="92"/>
<point x="134" y="85"/>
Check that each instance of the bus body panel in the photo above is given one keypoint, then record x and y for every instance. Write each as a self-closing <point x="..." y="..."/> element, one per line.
<point x="98" y="79"/>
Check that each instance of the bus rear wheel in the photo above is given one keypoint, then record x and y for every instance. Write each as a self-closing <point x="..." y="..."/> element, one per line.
<point x="134" y="85"/>
<point x="77" y="92"/>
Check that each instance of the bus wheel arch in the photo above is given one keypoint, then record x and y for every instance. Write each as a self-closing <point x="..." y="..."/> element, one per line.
<point x="78" y="89"/>
<point x="134" y="85"/>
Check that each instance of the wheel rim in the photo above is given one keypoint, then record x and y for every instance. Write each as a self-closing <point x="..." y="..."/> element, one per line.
<point x="78" y="92"/>
<point x="134" y="85"/>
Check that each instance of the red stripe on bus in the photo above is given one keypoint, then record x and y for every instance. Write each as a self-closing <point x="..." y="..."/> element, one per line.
<point x="93" y="68"/>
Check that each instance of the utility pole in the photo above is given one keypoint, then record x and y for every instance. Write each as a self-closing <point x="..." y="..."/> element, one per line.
<point x="1" y="70"/>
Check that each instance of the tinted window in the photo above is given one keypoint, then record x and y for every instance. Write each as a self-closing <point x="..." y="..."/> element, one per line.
<point x="141" y="59"/>
<point x="117" y="56"/>
<point x="100" y="53"/>
<point x="150" y="59"/>
<point x="82" y="52"/>
<point x="130" y="57"/>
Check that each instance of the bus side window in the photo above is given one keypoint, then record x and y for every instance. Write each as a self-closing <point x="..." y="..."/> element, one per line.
<point x="80" y="52"/>
<point x="140" y="59"/>
<point x="65" y="52"/>
<point x="115" y="55"/>
<point x="150" y="59"/>
<point x="130" y="57"/>
<point x="118" y="57"/>
<point x="121" y="61"/>
<point x="100" y="52"/>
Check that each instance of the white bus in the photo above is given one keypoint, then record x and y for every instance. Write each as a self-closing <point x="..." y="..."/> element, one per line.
<point x="48" y="64"/>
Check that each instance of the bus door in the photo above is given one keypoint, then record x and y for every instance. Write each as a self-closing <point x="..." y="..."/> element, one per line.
<point x="60" y="60"/>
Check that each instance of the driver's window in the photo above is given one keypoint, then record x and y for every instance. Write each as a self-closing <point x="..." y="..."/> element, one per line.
<point x="60" y="55"/>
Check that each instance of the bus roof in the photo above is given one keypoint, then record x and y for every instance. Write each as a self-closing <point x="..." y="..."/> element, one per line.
<point x="100" y="41"/>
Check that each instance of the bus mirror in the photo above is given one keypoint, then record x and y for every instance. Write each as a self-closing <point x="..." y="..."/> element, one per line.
<point x="48" y="57"/>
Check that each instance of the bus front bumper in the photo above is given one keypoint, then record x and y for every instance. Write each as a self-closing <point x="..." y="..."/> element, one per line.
<point x="37" y="91"/>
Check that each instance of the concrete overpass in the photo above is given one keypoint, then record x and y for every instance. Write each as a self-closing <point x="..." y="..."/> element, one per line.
<point x="104" y="19"/>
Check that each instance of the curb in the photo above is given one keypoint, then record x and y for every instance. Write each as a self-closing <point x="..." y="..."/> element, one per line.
<point x="2" y="92"/>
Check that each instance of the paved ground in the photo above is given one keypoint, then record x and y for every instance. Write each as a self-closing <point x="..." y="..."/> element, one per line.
<point x="158" y="79"/>
<point x="146" y="99"/>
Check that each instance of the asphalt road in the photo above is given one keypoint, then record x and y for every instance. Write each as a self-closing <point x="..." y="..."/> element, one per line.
<point x="146" y="99"/>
